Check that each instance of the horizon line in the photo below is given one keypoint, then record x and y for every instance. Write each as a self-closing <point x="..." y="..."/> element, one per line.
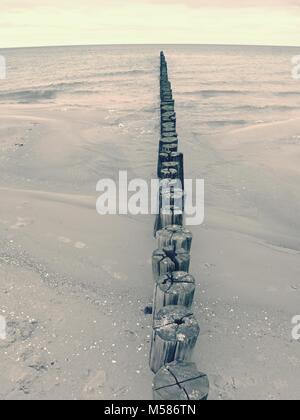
<point x="149" y="44"/>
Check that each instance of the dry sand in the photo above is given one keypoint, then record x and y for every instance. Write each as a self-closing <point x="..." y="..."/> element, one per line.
<point x="74" y="285"/>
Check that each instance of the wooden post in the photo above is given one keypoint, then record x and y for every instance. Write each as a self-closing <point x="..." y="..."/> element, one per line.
<point x="168" y="185"/>
<point x="167" y="141"/>
<point x="167" y="127"/>
<point x="170" y="215"/>
<point x="166" y="89"/>
<point x="175" y="333"/>
<point x="168" y="165"/>
<point x="164" y="184"/>
<point x="176" y="288"/>
<point x="180" y="381"/>
<point x="171" y="197"/>
<point x="168" y="134"/>
<point x="161" y="264"/>
<point x="167" y="97"/>
<point x="168" y="116"/>
<point x="157" y="225"/>
<point x="170" y="147"/>
<point x="167" y="106"/>
<point x="181" y="258"/>
<point x="168" y="173"/>
<point x="172" y="138"/>
<point x="175" y="236"/>
<point x="178" y="157"/>
<point x="162" y="158"/>
<point x="167" y="260"/>
<point x="167" y="93"/>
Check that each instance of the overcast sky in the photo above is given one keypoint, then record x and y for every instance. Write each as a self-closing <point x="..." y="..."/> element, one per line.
<point x="70" y="22"/>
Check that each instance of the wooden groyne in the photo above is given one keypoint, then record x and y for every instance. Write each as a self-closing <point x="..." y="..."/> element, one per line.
<point x="175" y="329"/>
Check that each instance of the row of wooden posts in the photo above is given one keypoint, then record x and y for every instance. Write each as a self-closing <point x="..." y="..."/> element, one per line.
<point x="175" y="329"/>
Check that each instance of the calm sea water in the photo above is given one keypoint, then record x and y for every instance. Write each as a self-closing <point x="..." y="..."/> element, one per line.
<point x="216" y="87"/>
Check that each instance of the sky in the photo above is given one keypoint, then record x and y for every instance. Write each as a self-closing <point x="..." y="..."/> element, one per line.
<point x="25" y="23"/>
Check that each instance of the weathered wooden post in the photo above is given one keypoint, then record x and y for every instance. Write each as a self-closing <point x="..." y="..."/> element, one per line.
<point x="167" y="97"/>
<point x="162" y="158"/>
<point x="167" y="105"/>
<point x="176" y="288"/>
<point x="167" y="260"/>
<point x="178" y="157"/>
<point x="167" y="134"/>
<point x="165" y="88"/>
<point x="180" y="381"/>
<point x="172" y="159"/>
<point x="173" y="186"/>
<point x="170" y="147"/>
<point x="181" y="258"/>
<point x="166" y="91"/>
<point x="170" y="186"/>
<point x="175" y="236"/>
<point x="161" y="264"/>
<point x="170" y="215"/>
<point x="168" y="117"/>
<point x="167" y="127"/>
<point x="170" y="137"/>
<point x="167" y="142"/>
<point x="175" y="333"/>
<point x="169" y="183"/>
<point x="168" y="173"/>
<point x="171" y="197"/>
<point x="169" y="165"/>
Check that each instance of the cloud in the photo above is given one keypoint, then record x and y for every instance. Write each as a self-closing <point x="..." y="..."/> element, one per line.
<point x="2" y="328"/>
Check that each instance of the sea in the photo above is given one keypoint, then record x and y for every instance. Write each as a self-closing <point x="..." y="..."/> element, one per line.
<point x="216" y="88"/>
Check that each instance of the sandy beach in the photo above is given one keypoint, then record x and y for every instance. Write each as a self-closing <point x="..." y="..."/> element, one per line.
<point x="74" y="285"/>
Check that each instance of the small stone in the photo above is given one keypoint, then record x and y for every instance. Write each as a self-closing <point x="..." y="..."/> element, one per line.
<point x="148" y="310"/>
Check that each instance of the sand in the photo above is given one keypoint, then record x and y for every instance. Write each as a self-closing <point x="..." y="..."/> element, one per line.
<point x="74" y="285"/>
